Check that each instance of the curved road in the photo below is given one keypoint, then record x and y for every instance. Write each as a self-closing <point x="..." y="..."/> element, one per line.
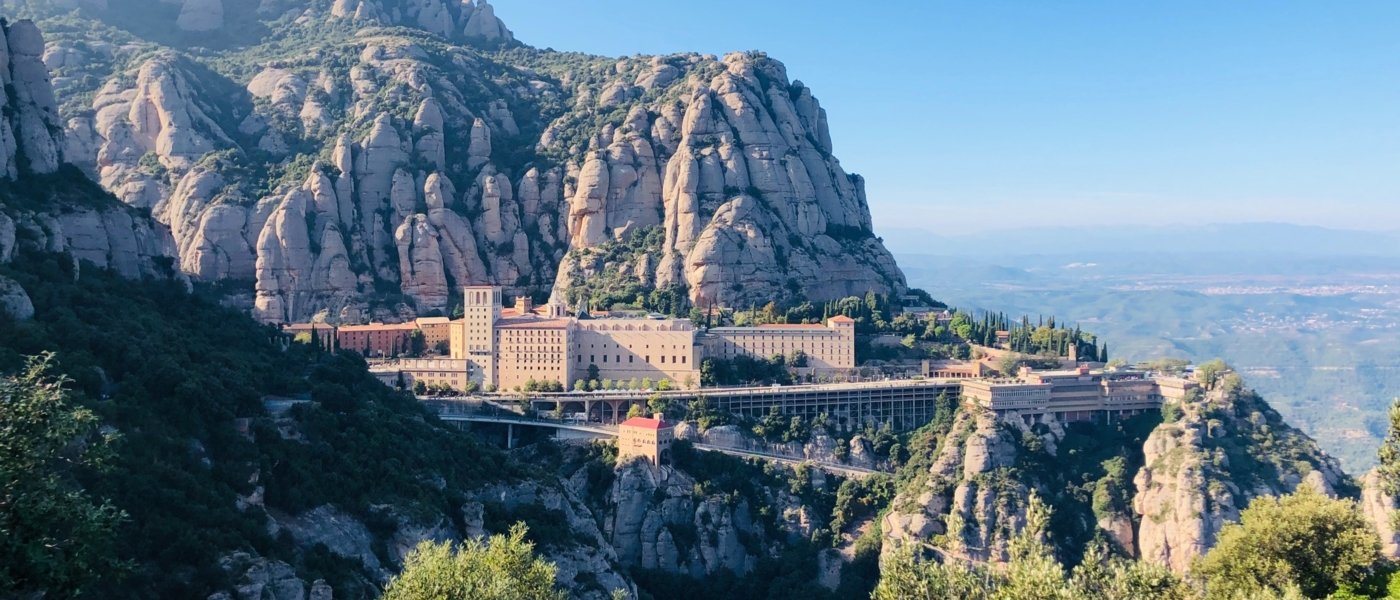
<point x="611" y="431"/>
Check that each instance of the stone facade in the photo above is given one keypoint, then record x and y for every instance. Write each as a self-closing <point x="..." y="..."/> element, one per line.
<point x="1076" y="395"/>
<point x="828" y="348"/>
<point x="507" y="348"/>
<point x="377" y="339"/>
<point x="627" y="349"/>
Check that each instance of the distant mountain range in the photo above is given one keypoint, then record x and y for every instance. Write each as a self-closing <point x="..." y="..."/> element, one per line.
<point x="1274" y="239"/>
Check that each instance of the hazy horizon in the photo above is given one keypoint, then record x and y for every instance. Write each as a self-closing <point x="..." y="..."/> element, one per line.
<point x="974" y="117"/>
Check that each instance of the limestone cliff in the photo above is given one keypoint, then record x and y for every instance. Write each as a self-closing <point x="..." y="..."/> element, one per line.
<point x="1159" y="491"/>
<point x="666" y="519"/>
<point x="338" y="166"/>
<point x="1202" y="469"/>
<point x="45" y="205"/>
<point x="968" y="500"/>
<point x="1381" y="509"/>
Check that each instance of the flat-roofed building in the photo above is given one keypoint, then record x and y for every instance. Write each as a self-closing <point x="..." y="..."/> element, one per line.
<point x="532" y="348"/>
<point x="437" y="331"/>
<point x="943" y="369"/>
<point x="377" y="340"/>
<point x="1074" y="395"/>
<point x="432" y="372"/>
<point x="1002" y="396"/>
<point x="626" y="349"/>
<point x="1177" y="389"/>
<point x="827" y="348"/>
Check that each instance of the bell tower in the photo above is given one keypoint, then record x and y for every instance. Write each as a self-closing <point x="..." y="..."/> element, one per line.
<point x="481" y="309"/>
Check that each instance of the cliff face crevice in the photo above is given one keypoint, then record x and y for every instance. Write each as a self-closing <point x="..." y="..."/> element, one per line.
<point x="1159" y="491"/>
<point x="1202" y="469"/>
<point x="968" y="502"/>
<point x="45" y="206"/>
<point x="664" y="519"/>
<point x="356" y="171"/>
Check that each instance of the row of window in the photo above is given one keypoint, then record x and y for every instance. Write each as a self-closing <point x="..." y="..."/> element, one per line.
<point x="632" y="358"/>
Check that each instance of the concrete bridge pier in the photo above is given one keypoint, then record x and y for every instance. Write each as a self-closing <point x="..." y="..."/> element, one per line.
<point x="510" y="436"/>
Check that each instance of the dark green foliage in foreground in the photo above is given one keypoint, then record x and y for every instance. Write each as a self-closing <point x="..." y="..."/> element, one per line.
<point x="181" y="380"/>
<point x="1305" y="541"/>
<point x="502" y="568"/>
<point x="54" y="538"/>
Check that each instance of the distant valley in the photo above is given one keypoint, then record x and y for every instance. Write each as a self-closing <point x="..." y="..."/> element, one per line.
<point x="1311" y="315"/>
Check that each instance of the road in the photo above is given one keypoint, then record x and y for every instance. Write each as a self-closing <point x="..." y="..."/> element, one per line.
<point x="611" y="431"/>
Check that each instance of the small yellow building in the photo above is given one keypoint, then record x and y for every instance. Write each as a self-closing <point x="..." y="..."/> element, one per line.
<point x="648" y="438"/>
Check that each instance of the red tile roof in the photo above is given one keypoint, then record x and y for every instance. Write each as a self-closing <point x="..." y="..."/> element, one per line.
<point x="841" y="319"/>
<point x="379" y="327"/>
<point x="645" y="423"/>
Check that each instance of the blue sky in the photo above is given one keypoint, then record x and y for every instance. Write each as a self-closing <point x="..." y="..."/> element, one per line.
<point x="987" y="114"/>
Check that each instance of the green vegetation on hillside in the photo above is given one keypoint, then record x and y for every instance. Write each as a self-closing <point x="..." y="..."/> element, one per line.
<point x="181" y="380"/>
<point x="1032" y="574"/>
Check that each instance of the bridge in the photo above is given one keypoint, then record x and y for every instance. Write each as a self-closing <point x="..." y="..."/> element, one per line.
<point x="490" y="412"/>
<point x="903" y="404"/>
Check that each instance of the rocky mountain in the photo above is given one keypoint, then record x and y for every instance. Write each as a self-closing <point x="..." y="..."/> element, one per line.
<point x="53" y="208"/>
<point x="367" y="157"/>
<point x="1158" y="488"/>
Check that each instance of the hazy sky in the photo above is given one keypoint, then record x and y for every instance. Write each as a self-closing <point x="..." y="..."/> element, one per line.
<point x="992" y="113"/>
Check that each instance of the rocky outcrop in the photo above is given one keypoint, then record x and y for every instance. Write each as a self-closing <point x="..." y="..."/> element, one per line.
<point x="655" y="519"/>
<point x="740" y="177"/>
<point x="257" y="578"/>
<point x="7" y="238"/>
<point x="443" y="165"/>
<point x="1189" y="488"/>
<point x="1197" y="472"/>
<point x="14" y="301"/>
<point x="1381" y="509"/>
<point x="61" y="212"/>
<point x="966" y="499"/>
<point x="30" y="132"/>
<point x="656" y="523"/>
<point x="452" y="19"/>
<point x="588" y="558"/>
<point x="201" y="15"/>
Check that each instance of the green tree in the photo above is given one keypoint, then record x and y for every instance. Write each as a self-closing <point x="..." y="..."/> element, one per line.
<point x="503" y="568"/>
<point x="1010" y="364"/>
<point x="1389" y="453"/>
<point x="658" y="405"/>
<point x="635" y="411"/>
<point x="55" y="540"/>
<point x="1209" y="373"/>
<point x="1305" y="539"/>
<point x="1032" y="574"/>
